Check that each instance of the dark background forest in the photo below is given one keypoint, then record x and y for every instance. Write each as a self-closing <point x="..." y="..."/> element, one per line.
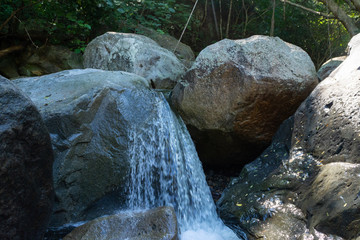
<point x="321" y="27"/>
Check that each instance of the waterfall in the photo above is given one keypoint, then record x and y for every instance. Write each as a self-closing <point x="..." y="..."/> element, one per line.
<point x="166" y="171"/>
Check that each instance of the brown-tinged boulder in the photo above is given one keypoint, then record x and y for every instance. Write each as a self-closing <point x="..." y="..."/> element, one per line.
<point x="309" y="176"/>
<point x="237" y="94"/>
<point x="48" y="59"/>
<point x="155" y="224"/>
<point x="26" y="157"/>
<point x="183" y="51"/>
<point x="135" y="54"/>
<point x="329" y="66"/>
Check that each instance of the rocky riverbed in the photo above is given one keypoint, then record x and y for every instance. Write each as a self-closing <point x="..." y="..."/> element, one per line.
<point x="219" y="179"/>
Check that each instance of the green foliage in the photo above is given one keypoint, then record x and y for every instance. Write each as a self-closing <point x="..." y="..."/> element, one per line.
<point x="321" y="38"/>
<point x="75" y="22"/>
<point x="162" y="15"/>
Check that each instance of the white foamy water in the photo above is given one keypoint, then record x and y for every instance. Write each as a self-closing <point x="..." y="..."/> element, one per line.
<point x="166" y="171"/>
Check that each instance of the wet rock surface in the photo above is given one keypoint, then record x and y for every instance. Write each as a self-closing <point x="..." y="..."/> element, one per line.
<point x="89" y="114"/>
<point x="238" y="92"/>
<point x="26" y="158"/>
<point x="306" y="184"/>
<point x="332" y="200"/>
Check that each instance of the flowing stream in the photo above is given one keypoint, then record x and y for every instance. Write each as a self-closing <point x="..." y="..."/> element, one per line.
<point x="166" y="171"/>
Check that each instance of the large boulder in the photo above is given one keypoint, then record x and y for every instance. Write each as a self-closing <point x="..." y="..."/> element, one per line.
<point x="183" y="51"/>
<point x="89" y="114"/>
<point x="238" y="92"/>
<point x="155" y="224"/>
<point x="136" y="54"/>
<point x="26" y="157"/>
<point x="306" y="184"/>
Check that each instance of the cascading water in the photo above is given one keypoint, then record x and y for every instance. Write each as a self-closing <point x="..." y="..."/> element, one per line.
<point x="166" y="171"/>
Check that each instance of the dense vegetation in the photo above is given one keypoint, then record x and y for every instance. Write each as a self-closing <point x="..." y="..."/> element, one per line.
<point x="74" y="23"/>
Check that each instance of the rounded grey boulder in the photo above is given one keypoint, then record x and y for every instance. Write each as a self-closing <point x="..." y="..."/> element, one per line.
<point x="183" y="52"/>
<point x="135" y="54"/>
<point x="239" y="91"/>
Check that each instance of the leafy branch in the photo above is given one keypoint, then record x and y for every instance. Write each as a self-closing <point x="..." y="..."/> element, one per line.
<point x="12" y="15"/>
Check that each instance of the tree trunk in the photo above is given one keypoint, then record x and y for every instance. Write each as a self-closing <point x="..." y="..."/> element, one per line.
<point x="273" y="19"/>
<point x="205" y="13"/>
<point x="246" y="17"/>
<point x="9" y="50"/>
<point x="228" y="21"/>
<point x="221" y="32"/>
<point x="214" y="13"/>
<point x="340" y="14"/>
<point x="306" y="9"/>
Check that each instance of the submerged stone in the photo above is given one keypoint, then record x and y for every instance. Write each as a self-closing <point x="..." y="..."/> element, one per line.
<point x="155" y="224"/>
